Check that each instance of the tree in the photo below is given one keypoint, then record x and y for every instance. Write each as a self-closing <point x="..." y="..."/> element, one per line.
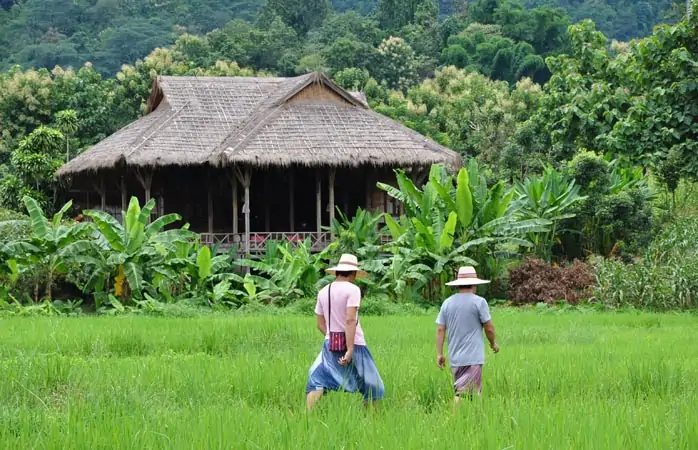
<point x="634" y="101"/>
<point x="301" y="15"/>
<point x="466" y="111"/>
<point x="67" y="122"/>
<point x="395" y="14"/>
<point x="397" y="63"/>
<point x="32" y="166"/>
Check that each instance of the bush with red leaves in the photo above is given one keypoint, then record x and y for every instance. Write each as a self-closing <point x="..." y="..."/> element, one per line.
<point x="535" y="281"/>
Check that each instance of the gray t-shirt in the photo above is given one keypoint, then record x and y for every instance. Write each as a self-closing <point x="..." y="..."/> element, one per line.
<point x="463" y="315"/>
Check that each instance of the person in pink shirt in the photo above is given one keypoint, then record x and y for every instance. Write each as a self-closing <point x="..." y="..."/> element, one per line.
<point x="344" y="361"/>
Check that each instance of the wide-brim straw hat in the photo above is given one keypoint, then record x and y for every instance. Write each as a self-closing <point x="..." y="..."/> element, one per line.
<point x="467" y="277"/>
<point x="348" y="263"/>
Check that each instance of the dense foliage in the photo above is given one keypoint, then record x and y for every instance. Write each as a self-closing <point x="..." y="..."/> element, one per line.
<point x="34" y="33"/>
<point x="567" y="140"/>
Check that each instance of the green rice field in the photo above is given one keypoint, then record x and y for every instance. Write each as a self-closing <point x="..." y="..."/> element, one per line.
<point x="563" y="380"/>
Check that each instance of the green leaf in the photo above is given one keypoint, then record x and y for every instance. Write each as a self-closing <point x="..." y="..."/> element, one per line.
<point x="203" y="261"/>
<point x="109" y="227"/>
<point x="116" y="259"/>
<point x="59" y="215"/>
<point x="464" y="199"/>
<point x="160" y="223"/>
<point x="396" y="231"/>
<point x="116" y="304"/>
<point x="449" y="231"/>
<point x="132" y="213"/>
<point x="134" y="278"/>
<point x="221" y="290"/>
<point x="38" y="220"/>
<point x="14" y="271"/>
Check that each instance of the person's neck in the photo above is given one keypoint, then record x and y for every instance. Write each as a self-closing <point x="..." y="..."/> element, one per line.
<point x="343" y="279"/>
<point x="466" y="291"/>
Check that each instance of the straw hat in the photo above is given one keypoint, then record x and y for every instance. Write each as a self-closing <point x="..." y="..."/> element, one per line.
<point x="467" y="277"/>
<point x="348" y="263"/>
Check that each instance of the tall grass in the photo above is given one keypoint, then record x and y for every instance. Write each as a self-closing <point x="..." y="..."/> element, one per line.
<point x="665" y="277"/>
<point x="562" y="380"/>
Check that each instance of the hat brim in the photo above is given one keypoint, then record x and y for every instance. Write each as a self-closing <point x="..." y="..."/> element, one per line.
<point x="347" y="268"/>
<point x="468" y="282"/>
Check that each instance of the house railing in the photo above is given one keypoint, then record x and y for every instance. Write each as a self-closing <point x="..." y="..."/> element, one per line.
<point x="258" y="241"/>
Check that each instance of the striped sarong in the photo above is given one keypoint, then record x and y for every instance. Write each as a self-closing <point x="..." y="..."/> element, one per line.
<point x="360" y="376"/>
<point x="467" y="379"/>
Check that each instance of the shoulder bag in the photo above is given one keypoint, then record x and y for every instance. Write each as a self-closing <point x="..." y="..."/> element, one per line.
<point x="338" y="339"/>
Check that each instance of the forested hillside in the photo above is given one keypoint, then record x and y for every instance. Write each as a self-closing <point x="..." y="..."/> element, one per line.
<point x="109" y="33"/>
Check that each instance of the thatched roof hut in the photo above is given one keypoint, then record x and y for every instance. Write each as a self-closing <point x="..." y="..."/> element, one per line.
<point x="227" y="121"/>
<point x="206" y="130"/>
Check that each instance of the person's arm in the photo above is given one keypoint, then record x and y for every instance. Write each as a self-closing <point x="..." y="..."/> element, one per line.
<point x="353" y="302"/>
<point x="440" y="337"/>
<point x="350" y="329"/>
<point x="320" y="317"/>
<point x="487" y="325"/>
<point x="321" y="325"/>
<point x="489" y="332"/>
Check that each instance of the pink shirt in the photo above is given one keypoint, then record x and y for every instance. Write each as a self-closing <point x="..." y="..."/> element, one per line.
<point x="344" y="295"/>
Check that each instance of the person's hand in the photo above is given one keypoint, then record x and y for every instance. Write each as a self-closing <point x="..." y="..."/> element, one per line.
<point x="495" y="348"/>
<point x="346" y="359"/>
<point x="440" y="361"/>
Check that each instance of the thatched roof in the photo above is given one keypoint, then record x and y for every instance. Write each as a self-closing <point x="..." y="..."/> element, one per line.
<point x="224" y="121"/>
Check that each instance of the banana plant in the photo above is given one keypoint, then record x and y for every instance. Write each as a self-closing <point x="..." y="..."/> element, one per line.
<point x="551" y="196"/>
<point x="449" y="212"/>
<point x="288" y="273"/>
<point x="52" y="245"/>
<point x="359" y="235"/>
<point x="134" y="251"/>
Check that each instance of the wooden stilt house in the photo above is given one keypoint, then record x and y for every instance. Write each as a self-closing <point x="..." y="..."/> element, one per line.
<point x="248" y="160"/>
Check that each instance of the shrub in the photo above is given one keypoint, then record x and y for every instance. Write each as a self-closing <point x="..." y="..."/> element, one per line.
<point x="535" y="281"/>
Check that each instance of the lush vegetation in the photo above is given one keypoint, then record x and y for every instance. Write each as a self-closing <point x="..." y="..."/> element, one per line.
<point x="580" y="380"/>
<point x="110" y="33"/>
<point x="575" y="148"/>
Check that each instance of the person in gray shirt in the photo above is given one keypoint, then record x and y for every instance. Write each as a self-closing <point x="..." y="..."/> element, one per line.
<point x="462" y="317"/>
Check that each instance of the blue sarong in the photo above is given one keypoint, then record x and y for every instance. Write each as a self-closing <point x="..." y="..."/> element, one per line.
<point x="359" y="376"/>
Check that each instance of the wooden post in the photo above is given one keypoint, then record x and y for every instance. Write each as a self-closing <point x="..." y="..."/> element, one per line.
<point x="161" y="204"/>
<point x="318" y="201"/>
<point x="234" y="180"/>
<point x="368" y="191"/>
<point x="101" y="190"/>
<point x="209" y="194"/>
<point x="331" y="183"/>
<point x="246" y="179"/>
<point x="291" y="200"/>
<point x="146" y="181"/>
<point x="247" y="215"/>
<point x="124" y="200"/>
<point x="103" y="193"/>
<point x="267" y="215"/>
